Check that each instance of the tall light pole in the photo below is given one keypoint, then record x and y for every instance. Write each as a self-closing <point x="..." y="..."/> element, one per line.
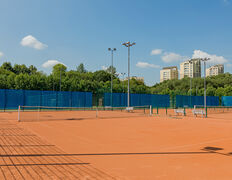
<point x="112" y="59"/>
<point x="191" y="63"/>
<point x="123" y="74"/>
<point x="60" y="78"/>
<point x="204" y="60"/>
<point x="128" y="45"/>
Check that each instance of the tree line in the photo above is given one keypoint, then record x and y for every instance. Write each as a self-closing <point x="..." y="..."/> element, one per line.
<point x="29" y="78"/>
<point x="220" y="85"/>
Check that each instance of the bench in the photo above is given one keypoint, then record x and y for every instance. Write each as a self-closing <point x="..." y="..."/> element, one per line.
<point x="198" y="111"/>
<point x="129" y="109"/>
<point x="179" y="111"/>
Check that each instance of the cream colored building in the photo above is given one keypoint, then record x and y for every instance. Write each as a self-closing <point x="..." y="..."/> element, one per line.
<point x="215" y="70"/>
<point x="190" y="68"/>
<point x="136" y="78"/>
<point x="168" y="73"/>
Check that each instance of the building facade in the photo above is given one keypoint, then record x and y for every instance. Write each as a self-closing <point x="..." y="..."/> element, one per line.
<point x="215" y="70"/>
<point x="190" y="68"/>
<point x="168" y="73"/>
<point x="136" y="78"/>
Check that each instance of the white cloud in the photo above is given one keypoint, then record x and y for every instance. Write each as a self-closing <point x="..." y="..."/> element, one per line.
<point x="173" y="57"/>
<point x="156" y="51"/>
<point x="1" y="54"/>
<point x="51" y="63"/>
<point x="146" y="65"/>
<point x="214" y="58"/>
<point x="32" y="42"/>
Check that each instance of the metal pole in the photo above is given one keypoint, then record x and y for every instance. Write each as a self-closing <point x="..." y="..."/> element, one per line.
<point x="112" y="78"/>
<point x="205" y="85"/>
<point x="128" y="45"/>
<point x="191" y="92"/>
<point x="128" y="90"/>
<point x="60" y="79"/>
<point x="123" y="82"/>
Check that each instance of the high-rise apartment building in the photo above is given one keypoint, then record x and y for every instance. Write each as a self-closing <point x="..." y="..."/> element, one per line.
<point x="168" y="73"/>
<point x="190" y="68"/>
<point x="215" y="70"/>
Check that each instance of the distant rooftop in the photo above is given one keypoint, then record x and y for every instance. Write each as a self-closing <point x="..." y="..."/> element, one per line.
<point x="170" y="67"/>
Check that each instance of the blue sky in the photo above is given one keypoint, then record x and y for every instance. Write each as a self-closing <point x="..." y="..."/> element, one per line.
<point x="166" y="32"/>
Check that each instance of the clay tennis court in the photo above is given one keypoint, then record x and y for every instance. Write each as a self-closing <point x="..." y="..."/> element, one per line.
<point x="157" y="147"/>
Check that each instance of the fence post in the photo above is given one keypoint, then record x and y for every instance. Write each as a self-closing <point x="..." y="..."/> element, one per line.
<point x="19" y="113"/>
<point x="5" y="100"/>
<point x="206" y="112"/>
<point x="150" y="110"/>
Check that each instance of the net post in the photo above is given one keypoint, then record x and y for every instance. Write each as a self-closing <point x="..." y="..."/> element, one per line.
<point x="184" y="112"/>
<point x="150" y="110"/>
<point x="157" y="110"/>
<point x="19" y="114"/>
<point x="206" y="112"/>
<point x="96" y="112"/>
<point x="166" y="110"/>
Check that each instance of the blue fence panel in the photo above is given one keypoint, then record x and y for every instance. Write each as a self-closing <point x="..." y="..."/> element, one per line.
<point x="32" y="98"/>
<point x="49" y="98"/>
<point x="14" y="98"/>
<point x="81" y="99"/>
<point x="190" y="101"/>
<point x="120" y="100"/>
<point x="212" y="101"/>
<point x="160" y="100"/>
<point x="135" y="99"/>
<point x="88" y="99"/>
<point x="64" y="99"/>
<point x="2" y="98"/>
<point x="226" y="100"/>
<point x="11" y="99"/>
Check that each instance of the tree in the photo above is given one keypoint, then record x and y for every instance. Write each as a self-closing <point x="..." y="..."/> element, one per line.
<point x="101" y="76"/>
<point x="57" y="69"/>
<point x="32" y="69"/>
<point x="21" y="69"/>
<point x="111" y="69"/>
<point x="81" y="68"/>
<point x="7" y="66"/>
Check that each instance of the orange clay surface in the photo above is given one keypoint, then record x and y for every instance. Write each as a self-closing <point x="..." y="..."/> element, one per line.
<point x="135" y="148"/>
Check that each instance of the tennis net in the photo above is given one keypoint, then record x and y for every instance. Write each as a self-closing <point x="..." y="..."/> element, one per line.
<point x="43" y="113"/>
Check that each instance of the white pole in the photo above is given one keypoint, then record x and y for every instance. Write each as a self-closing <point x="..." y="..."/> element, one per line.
<point x="150" y="110"/>
<point x="19" y="114"/>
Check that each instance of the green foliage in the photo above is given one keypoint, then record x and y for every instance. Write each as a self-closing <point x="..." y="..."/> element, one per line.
<point x="220" y="85"/>
<point x="23" y="77"/>
<point x="81" y="68"/>
<point x="111" y="69"/>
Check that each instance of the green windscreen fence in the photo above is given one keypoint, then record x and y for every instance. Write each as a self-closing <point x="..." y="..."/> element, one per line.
<point x="190" y="101"/>
<point x="226" y="100"/>
<point x="120" y="100"/>
<point x="11" y="99"/>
